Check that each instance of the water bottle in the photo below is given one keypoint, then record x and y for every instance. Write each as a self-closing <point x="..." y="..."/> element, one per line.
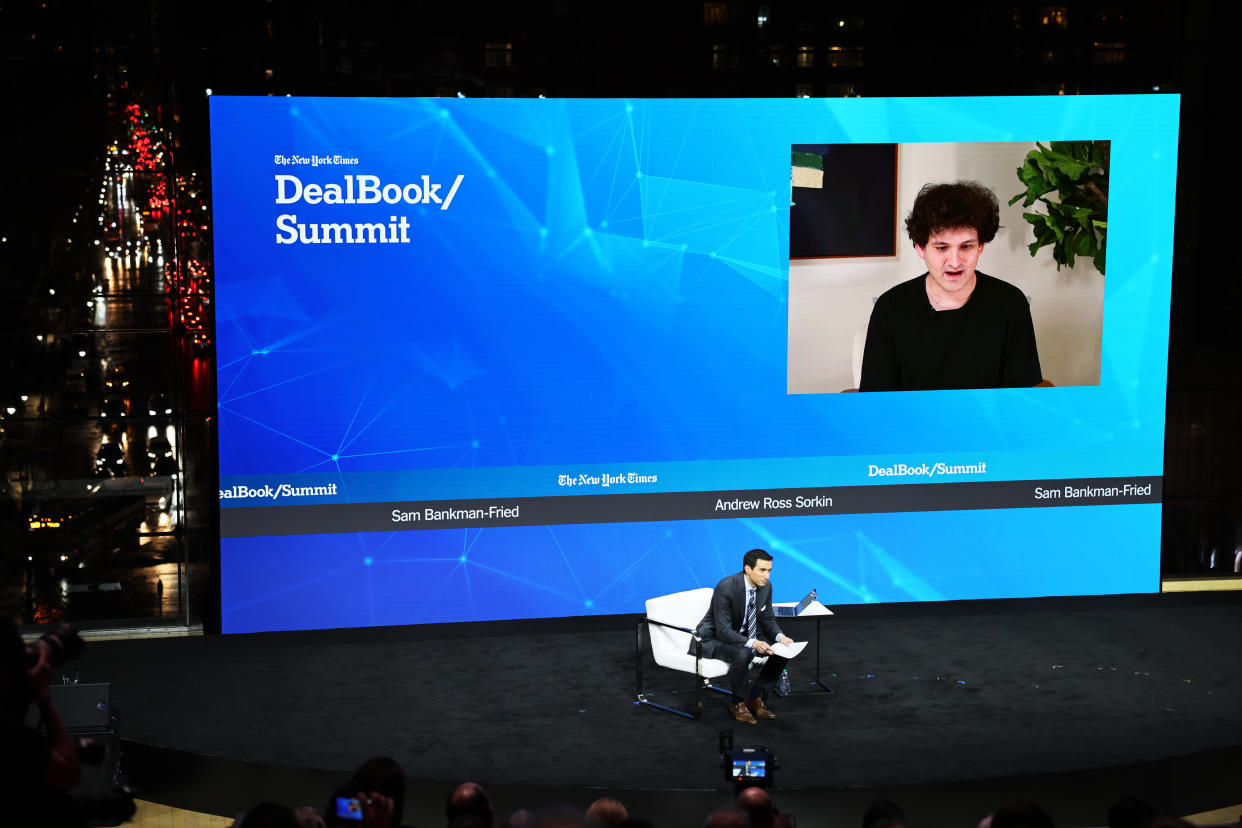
<point x="782" y="685"/>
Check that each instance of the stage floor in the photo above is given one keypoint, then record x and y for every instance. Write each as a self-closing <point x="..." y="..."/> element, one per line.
<point x="929" y="694"/>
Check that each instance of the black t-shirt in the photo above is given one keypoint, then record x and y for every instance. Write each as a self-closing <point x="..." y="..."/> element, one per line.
<point x="987" y="343"/>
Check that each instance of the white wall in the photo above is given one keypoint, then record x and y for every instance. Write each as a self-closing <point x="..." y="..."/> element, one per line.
<point x="830" y="299"/>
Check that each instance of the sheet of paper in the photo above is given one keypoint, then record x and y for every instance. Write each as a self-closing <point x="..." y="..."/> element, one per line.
<point x="789" y="650"/>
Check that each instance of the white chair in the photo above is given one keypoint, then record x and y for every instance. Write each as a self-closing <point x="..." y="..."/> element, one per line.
<point x="858" y="347"/>
<point x="670" y="624"/>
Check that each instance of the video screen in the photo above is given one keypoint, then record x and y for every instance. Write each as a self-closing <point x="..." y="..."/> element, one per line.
<point x="485" y="359"/>
<point x="861" y="304"/>
<point x="750" y="768"/>
<point x="349" y="808"/>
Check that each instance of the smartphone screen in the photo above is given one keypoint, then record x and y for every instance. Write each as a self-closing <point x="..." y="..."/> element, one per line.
<point x="347" y="807"/>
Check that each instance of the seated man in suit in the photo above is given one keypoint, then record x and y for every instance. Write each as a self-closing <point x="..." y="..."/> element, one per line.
<point x="739" y="626"/>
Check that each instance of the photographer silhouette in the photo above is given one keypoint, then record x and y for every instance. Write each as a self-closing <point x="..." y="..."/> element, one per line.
<point x="38" y="767"/>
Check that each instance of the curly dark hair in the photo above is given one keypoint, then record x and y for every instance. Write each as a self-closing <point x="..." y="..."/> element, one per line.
<point x="942" y="207"/>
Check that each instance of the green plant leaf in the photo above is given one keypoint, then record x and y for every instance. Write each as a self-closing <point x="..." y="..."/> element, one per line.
<point x="1070" y="180"/>
<point x="1084" y="244"/>
<point x="1071" y="168"/>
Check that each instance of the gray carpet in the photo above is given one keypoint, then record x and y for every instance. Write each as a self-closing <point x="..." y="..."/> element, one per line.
<point x="925" y="693"/>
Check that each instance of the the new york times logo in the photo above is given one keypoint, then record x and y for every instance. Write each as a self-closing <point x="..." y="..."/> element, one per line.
<point x="356" y="189"/>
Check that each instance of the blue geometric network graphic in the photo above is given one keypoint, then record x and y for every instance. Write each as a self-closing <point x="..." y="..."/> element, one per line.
<point x="428" y="299"/>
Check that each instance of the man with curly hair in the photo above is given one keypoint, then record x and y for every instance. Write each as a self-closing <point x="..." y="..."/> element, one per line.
<point x="954" y="326"/>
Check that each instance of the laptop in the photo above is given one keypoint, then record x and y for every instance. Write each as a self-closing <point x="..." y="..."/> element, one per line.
<point x="790" y="612"/>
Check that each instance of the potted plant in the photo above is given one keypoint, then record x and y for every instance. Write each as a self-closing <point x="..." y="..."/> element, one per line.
<point x="1070" y="180"/>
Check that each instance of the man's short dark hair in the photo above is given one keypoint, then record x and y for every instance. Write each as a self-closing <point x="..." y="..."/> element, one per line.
<point x="382" y="775"/>
<point x="607" y="810"/>
<point x="882" y="809"/>
<point x="727" y="818"/>
<point x="890" y="822"/>
<point x="468" y="799"/>
<point x="268" y="815"/>
<point x="560" y="816"/>
<point x="754" y="556"/>
<point x="521" y="818"/>
<point x="757" y="803"/>
<point x="962" y="204"/>
<point x="1130" y="811"/>
<point x="1021" y="813"/>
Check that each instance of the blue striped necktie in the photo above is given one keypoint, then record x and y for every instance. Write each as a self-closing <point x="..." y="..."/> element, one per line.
<point x="752" y="622"/>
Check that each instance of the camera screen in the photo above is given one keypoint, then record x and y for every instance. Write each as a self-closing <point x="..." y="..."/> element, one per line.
<point x="750" y="768"/>
<point x="348" y="808"/>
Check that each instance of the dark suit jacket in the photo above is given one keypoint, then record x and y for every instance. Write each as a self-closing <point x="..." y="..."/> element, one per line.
<point x="728" y="610"/>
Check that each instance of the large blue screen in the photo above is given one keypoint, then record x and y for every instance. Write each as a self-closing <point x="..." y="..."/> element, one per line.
<point x="491" y="359"/>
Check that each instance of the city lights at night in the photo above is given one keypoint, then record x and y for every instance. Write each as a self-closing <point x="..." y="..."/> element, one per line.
<point x="660" y="413"/>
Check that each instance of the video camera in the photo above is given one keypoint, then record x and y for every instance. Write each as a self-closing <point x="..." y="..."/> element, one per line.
<point x="747" y="767"/>
<point x="61" y="643"/>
